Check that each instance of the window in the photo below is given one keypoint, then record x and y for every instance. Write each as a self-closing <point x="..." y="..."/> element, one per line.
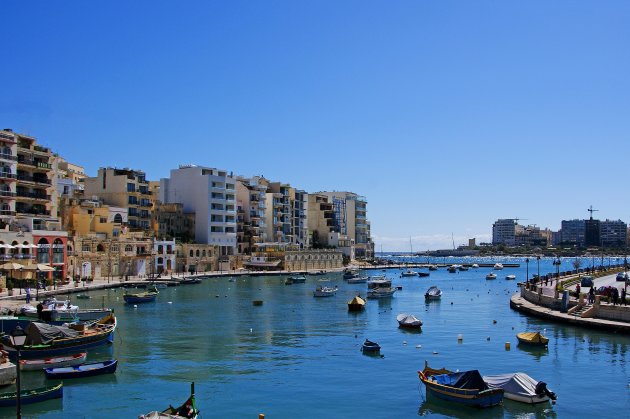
<point x="128" y="248"/>
<point x="103" y="220"/>
<point x="131" y="187"/>
<point x="85" y="247"/>
<point x="133" y="200"/>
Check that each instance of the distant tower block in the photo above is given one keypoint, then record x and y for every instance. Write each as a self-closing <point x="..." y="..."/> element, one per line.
<point x="472" y="243"/>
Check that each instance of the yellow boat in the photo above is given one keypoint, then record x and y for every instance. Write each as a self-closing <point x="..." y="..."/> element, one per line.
<point x="356" y="304"/>
<point x="532" y="338"/>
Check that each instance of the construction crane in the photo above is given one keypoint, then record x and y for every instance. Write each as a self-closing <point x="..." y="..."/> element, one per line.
<point x="591" y="210"/>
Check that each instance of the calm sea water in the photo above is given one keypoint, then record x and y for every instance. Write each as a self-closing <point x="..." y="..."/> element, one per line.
<point x="300" y="356"/>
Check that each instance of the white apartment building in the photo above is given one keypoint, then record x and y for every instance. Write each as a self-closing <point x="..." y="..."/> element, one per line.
<point x="504" y="232"/>
<point x="209" y="193"/>
<point x="350" y="219"/>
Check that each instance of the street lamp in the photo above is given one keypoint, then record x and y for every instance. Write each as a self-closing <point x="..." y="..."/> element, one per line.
<point x="538" y="263"/>
<point x="527" y="270"/>
<point x="18" y="339"/>
<point x="557" y="263"/>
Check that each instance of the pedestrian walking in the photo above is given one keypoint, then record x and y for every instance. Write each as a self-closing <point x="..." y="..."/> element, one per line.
<point x="591" y="295"/>
<point x="615" y="295"/>
<point x="577" y="290"/>
<point x="623" y="296"/>
<point x="28" y="295"/>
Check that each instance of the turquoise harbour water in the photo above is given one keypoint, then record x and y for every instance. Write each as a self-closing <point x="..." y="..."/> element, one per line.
<point x="300" y="356"/>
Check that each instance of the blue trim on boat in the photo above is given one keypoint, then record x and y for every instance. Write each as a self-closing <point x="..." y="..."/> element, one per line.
<point x="83" y="370"/>
<point x="32" y="396"/>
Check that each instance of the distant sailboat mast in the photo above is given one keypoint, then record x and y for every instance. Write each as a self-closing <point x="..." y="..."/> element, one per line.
<point x="453" y="239"/>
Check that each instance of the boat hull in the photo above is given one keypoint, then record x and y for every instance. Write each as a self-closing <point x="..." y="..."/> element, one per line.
<point x="526" y="399"/>
<point x="485" y="398"/>
<point x="134" y="299"/>
<point x="40" y="364"/>
<point x="32" y="396"/>
<point x="80" y="371"/>
<point x="356" y="307"/>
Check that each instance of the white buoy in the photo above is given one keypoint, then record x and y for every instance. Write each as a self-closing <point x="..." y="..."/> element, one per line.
<point x="170" y="302"/>
<point x="135" y="306"/>
<point x="418" y="346"/>
<point x="460" y="337"/>
<point x="251" y="330"/>
<point x="435" y="353"/>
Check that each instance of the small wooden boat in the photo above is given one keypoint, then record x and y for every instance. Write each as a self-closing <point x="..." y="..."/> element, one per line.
<point x="83" y="297"/>
<point x="467" y="387"/>
<point x="300" y="279"/>
<point x="510" y="277"/>
<point x="356" y="304"/>
<point x="187" y="410"/>
<point x="83" y="370"/>
<point x="324" y="292"/>
<point x="350" y="273"/>
<point x="475" y="265"/>
<point x="433" y="268"/>
<point x="423" y="274"/>
<point x="370" y="347"/>
<point x="409" y="272"/>
<point x="532" y="338"/>
<point x="491" y="275"/>
<point x="433" y="293"/>
<point x="189" y="281"/>
<point x="408" y="321"/>
<point x="521" y="387"/>
<point x="381" y="292"/>
<point x="140" y="297"/>
<point x="32" y="396"/>
<point x="452" y="269"/>
<point x="462" y="268"/>
<point x="357" y="280"/>
<point x="53" y="362"/>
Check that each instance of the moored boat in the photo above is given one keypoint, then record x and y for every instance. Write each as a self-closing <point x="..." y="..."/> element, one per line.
<point x="83" y="370"/>
<point x="32" y="396"/>
<point x="140" y="297"/>
<point x="510" y="277"/>
<point x="474" y="265"/>
<point x="498" y="266"/>
<point x="52" y="362"/>
<point x="408" y="321"/>
<point x="433" y="268"/>
<point x="8" y="372"/>
<point x="422" y="274"/>
<point x="462" y="267"/>
<point x="370" y="347"/>
<point x="46" y="340"/>
<point x="521" y="387"/>
<point x="357" y="280"/>
<point x="187" y="410"/>
<point x="298" y="279"/>
<point x="189" y="281"/>
<point x="465" y="387"/>
<point x="433" y="293"/>
<point x="350" y="273"/>
<point x="356" y="304"/>
<point x="532" y="338"/>
<point x="452" y="269"/>
<point x="409" y="272"/>
<point x="324" y="291"/>
<point x="491" y="275"/>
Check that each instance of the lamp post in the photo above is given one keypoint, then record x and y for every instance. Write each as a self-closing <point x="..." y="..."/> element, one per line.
<point x="18" y="339"/>
<point x="557" y="263"/>
<point x="527" y="270"/>
<point x="538" y="264"/>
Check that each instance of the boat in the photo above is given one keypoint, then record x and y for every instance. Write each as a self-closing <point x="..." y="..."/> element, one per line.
<point x="83" y="297"/>
<point x="467" y="387"/>
<point x="187" y="410"/>
<point x="53" y="362"/>
<point x="474" y="265"/>
<point x="350" y="273"/>
<point x="50" y="304"/>
<point x="317" y="273"/>
<point x="46" y="340"/>
<point x="357" y="280"/>
<point x="380" y="288"/>
<point x="452" y="269"/>
<point x="422" y="274"/>
<point x="370" y="347"/>
<point x="356" y="304"/>
<point x="491" y="275"/>
<point x="83" y="370"/>
<point x="408" y="321"/>
<point x="462" y="267"/>
<point x="433" y="268"/>
<point x="433" y="293"/>
<point x="520" y="387"/>
<point x="80" y="315"/>
<point x="498" y="266"/>
<point x="299" y="279"/>
<point x="141" y="297"/>
<point x="189" y="281"/>
<point x="409" y="272"/>
<point x="532" y="338"/>
<point x="32" y="396"/>
<point x="324" y="291"/>
<point x="510" y="277"/>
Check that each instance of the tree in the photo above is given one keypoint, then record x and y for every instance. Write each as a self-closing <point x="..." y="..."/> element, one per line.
<point x="577" y="263"/>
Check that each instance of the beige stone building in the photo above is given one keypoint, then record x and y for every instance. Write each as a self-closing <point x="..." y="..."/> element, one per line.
<point x="124" y="188"/>
<point x="307" y="260"/>
<point x="251" y="222"/>
<point x="171" y="222"/>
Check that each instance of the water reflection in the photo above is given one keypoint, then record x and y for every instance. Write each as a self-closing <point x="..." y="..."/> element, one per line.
<point x="537" y="352"/>
<point x="433" y="405"/>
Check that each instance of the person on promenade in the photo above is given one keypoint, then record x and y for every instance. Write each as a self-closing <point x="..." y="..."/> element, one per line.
<point x="28" y="295"/>
<point x="577" y="290"/>
<point x="591" y="295"/>
<point x="615" y="296"/>
<point x="623" y="296"/>
<point x="40" y="308"/>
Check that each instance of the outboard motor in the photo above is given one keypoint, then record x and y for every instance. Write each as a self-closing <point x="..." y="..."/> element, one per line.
<point x="542" y="390"/>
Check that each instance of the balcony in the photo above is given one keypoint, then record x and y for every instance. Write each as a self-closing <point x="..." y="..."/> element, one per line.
<point x="33" y="195"/>
<point x="8" y="156"/>
<point x="39" y="180"/>
<point x="7" y="193"/>
<point x="8" y="176"/>
<point x="32" y="212"/>
<point x="7" y="212"/>
<point x="7" y="138"/>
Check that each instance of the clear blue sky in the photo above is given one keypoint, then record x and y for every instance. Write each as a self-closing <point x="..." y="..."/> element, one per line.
<point x="446" y="115"/>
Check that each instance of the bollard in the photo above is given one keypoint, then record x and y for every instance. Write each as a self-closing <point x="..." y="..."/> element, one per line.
<point x="507" y="346"/>
<point x="261" y="416"/>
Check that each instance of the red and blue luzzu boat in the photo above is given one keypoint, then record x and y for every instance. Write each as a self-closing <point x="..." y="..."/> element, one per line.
<point x="467" y="387"/>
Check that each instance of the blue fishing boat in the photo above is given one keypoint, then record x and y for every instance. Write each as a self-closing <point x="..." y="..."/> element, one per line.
<point x="83" y="370"/>
<point x="370" y="347"/>
<point x="467" y="387"/>
<point x="140" y="297"/>
<point x="46" y="340"/>
<point x="32" y="396"/>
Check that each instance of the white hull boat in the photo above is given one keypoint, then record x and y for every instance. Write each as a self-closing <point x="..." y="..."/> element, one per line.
<point x="491" y="275"/>
<point x="53" y="362"/>
<point x="520" y="387"/>
<point x="357" y="280"/>
<point x="433" y="293"/>
<point x="324" y="292"/>
<point x="510" y="277"/>
<point x="408" y="321"/>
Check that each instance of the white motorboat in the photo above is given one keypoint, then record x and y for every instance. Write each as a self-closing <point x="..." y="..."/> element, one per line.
<point x="357" y="280"/>
<point x="433" y="268"/>
<point x="510" y="277"/>
<point x="324" y="292"/>
<point x="520" y="387"/>
<point x="350" y="273"/>
<point x="53" y="362"/>
<point x="433" y="293"/>
<point x="462" y="267"/>
<point x="475" y="265"/>
<point x="380" y="288"/>
<point x="491" y="275"/>
<point x="452" y="269"/>
<point x="408" y="321"/>
<point x="409" y="272"/>
<point x="498" y="266"/>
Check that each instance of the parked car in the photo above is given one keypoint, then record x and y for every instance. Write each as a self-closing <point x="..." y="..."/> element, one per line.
<point x="622" y="276"/>
<point x="605" y="291"/>
<point x="587" y="281"/>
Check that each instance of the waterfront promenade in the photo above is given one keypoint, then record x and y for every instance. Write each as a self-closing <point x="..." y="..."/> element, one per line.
<point x="543" y="301"/>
